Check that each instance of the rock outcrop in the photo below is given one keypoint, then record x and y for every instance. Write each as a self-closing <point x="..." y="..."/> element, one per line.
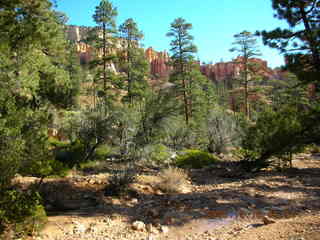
<point x="230" y="70"/>
<point x="159" y="67"/>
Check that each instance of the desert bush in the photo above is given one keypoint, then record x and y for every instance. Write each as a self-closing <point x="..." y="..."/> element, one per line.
<point x="180" y="136"/>
<point x="223" y="130"/>
<point x="195" y="159"/>
<point x="70" y="155"/>
<point x="118" y="183"/>
<point x="313" y="148"/>
<point x="275" y="135"/>
<point x="102" y="152"/>
<point x="21" y="211"/>
<point x="156" y="153"/>
<point x="172" y="180"/>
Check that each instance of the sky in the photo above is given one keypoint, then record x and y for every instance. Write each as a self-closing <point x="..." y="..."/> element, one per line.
<point x="215" y="22"/>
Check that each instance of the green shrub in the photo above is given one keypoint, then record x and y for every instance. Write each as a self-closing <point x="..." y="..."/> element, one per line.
<point x="275" y="136"/>
<point x="21" y="212"/>
<point x="313" y="148"/>
<point x="38" y="159"/>
<point x="195" y="159"/>
<point x="157" y="153"/>
<point x="70" y="155"/>
<point x="118" y="183"/>
<point x="102" y="152"/>
<point x="57" y="143"/>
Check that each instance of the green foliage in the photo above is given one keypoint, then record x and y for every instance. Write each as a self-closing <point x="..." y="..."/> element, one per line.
<point x="133" y="61"/>
<point x="155" y="113"/>
<point x="300" y="42"/>
<point x="313" y="148"/>
<point x="33" y="67"/>
<point x="195" y="159"/>
<point x="157" y="153"/>
<point x="71" y="155"/>
<point x="118" y="183"/>
<point x="182" y="50"/>
<point x="57" y="143"/>
<point x="103" y="41"/>
<point x="102" y="152"/>
<point x="246" y="45"/>
<point x="222" y="130"/>
<point x="273" y="135"/>
<point x="21" y="212"/>
<point x="105" y="15"/>
<point x="287" y="90"/>
<point x="178" y="135"/>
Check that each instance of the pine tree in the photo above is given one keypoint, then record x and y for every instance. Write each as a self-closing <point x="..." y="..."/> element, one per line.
<point x="301" y="41"/>
<point x="32" y="73"/>
<point x="246" y="45"/>
<point x="133" y="60"/>
<point x="182" y="49"/>
<point x="104" y="16"/>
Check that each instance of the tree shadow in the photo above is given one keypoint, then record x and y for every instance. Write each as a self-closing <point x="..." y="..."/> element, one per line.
<point x="276" y="194"/>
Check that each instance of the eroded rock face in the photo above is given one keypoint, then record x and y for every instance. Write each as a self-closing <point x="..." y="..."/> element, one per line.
<point x="158" y="63"/>
<point x="230" y="70"/>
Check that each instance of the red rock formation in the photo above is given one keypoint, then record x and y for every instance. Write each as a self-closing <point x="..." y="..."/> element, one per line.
<point x="85" y="52"/>
<point x="158" y="63"/>
<point x="228" y="70"/>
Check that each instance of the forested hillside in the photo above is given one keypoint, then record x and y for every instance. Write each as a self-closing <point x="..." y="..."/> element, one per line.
<point x="76" y="102"/>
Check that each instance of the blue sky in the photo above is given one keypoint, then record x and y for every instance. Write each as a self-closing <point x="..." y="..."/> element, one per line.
<point x="214" y="22"/>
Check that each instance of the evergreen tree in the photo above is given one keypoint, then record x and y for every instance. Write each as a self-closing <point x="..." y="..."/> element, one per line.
<point x="32" y="72"/>
<point x="182" y="49"/>
<point x="301" y="41"/>
<point x="246" y="45"/>
<point x="133" y="60"/>
<point x="200" y="92"/>
<point x="104" y="17"/>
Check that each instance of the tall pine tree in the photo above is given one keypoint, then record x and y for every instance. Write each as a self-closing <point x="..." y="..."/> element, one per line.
<point x="182" y="49"/>
<point x="246" y="45"/>
<point x="104" y="17"/>
<point x="132" y="59"/>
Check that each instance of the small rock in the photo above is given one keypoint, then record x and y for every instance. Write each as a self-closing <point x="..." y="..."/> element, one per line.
<point x="164" y="229"/>
<point x="266" y="220"/>
<point x="151" y="229"/>
<point x="78" y="228"/>
<point x="150" y="237"/>
<point x="92" y="229"/>
<point x="138" y="226"/>
<point x="134" y="201"/>
<point x="159" y="192"/>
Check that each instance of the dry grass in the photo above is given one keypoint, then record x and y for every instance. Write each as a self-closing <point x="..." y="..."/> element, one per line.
<point x="172" y="180"/>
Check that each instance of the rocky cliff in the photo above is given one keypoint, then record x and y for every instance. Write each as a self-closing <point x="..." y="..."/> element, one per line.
<point x="159" y="67"/>
<point x="157" y="60"/>
<point x="230" y="70"/>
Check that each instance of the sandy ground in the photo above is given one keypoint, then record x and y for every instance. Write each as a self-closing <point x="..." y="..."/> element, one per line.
<point x="216" y="206"/>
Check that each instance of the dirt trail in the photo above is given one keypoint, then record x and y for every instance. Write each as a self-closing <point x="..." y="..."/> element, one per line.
<point x="217" y="207"/>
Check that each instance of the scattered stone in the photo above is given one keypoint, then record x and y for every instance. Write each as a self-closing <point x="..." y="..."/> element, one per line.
<point x="78" y="228"/>
<point x="266" y="220"/>
<point x="159" y="192"/>
<point x="134" y="201"/>
<point x="150" y="237"/>
<point x="164" y="229"/>
<point x="92" y="229"/>
<point x="151" y="229"/>
<point x="138" y="226"/>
